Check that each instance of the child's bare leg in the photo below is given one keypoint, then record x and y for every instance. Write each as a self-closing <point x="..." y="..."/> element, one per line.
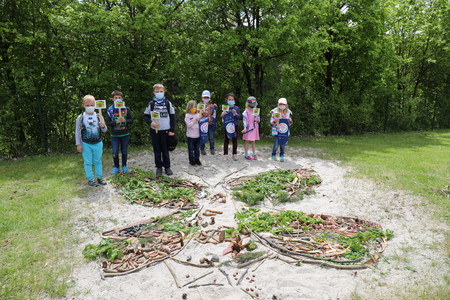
<point x="254" y="147"/>
<point x="246" y="147"/>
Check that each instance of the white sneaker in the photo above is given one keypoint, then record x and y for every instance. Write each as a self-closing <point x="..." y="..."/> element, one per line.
<point x="235" y="157"/>
<point x="225" y="157"/>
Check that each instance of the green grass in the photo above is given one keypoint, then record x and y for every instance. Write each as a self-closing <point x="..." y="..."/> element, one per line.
<point x="413" y="161"/>
<point x="35" y="238"/>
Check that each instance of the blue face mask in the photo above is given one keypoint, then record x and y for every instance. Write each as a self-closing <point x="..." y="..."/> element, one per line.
<point x="230" y="102"/>
<point x="159" y="96"/>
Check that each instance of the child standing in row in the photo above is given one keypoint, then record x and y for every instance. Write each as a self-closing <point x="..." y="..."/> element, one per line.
<point x="119" y="120"/>
<point x="280" y="119"/>
<point x="230" y="120"/>
<point x="251" y="127"/>
<point x="88" y="138"/>
<point x="161" y="128"/>
<point x="193" y="133"/>
<point x="210" y="113"/>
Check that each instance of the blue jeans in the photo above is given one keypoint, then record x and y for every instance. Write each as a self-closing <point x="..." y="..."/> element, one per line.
<point x="92" y="154"/>
<point x="275" y="147"/>
<point x="121" y="142"/>
<point x="160" y="148"/>
<point x="210" y="138"/>
<point x="193" y="149"/>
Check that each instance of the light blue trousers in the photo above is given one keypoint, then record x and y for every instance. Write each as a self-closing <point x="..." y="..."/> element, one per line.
<point x="92" y="154"/>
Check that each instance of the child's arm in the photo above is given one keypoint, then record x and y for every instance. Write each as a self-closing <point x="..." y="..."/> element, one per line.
<point x="190" y="121"/>
<point x="78" y="134"/>
<point x="129" y="119"/>
<point x="172" y="119"/>
<point x="238" y="115"/>
<point x="102" y="124"/>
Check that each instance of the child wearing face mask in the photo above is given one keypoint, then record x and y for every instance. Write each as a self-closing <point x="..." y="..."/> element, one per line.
<point x="251" y="127"/>
<point x="284" y="113"/>
<point x="210" y="113"/>
<point x="236" y="114"/>
<point x="193" y="133"/>
<point x="162" y="128"/>
<point x="88" y="139"/>
<point x="119" y="119"/>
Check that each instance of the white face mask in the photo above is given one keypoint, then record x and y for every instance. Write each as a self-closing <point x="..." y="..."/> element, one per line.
<point x="206" y="100"/>
<point x="282" y="107"/>
<point x="90" y="109"/>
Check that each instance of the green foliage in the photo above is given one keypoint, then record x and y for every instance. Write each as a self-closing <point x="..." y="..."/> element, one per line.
<point x="178" y="226"/>
<point x="249" y="256"/>
<point x="357" y="243"/>
<point x="105" y="248"/>
<point x="273" y="184"/>
<point x="353" y="67"/>
<point x="258" y="221"/>
<point x="144" y="186"/>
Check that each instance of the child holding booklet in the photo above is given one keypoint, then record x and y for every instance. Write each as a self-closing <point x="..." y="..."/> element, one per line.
<point x="193" y="133"/>
<point x="119" y="119"/>
<point x="280" y="119"/>
<point x="88" y="138"/>
<point x="160" y="115"/>
<point x="230" y="119"/>
<point x="251" y="126"/>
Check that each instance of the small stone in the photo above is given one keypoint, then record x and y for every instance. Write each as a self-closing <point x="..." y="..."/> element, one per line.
<point x="202" y="260"/>
<point x="215" y="258"/>
<point x="189" y="258"/>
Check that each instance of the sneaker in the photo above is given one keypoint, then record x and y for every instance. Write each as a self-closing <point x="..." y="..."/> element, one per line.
<point x="158" y="171"/>
<point x="101" y="181"/>
<point x="274" y="158"/>
<point x="198" y="163"/>
<point x="115" y="170"/>
<point x="169" y="171"/>
<point x="281" y="158"/>
<point x="213" y="152"/>
<point x="248" y="157"/>
<point x="203" y="151"/>
<point x="255" y="157"/>
<point x="235" y="157"/>
<point x="92" y="183"/>
<point x="225" y="157"/>
<point x="192" y="163"/>
<point x="125" y="169"/>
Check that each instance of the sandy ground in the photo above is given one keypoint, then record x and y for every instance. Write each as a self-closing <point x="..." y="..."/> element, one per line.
<point x="413" y="261"/>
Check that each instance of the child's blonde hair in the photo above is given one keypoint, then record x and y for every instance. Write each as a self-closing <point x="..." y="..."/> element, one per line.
<point x="190" y="105"/>
<point x="88" y="97"/>
<point x="158" y="85"/>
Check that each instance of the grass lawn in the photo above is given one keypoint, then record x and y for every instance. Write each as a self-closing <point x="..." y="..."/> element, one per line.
<point x="414" y="161"/>
<point x="35" y="238"/>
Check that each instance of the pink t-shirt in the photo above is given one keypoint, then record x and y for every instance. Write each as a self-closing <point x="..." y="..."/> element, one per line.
<point x="192" y="128"/>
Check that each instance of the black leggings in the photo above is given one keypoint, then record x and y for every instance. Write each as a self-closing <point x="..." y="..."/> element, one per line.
<point x="227" y="141"/>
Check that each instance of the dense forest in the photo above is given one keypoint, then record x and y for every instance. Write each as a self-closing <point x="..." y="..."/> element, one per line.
<point x="346" y="67"/>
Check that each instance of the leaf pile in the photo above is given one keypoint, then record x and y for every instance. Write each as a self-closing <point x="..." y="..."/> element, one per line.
<point x="323" y="237"/>
<point x="133" y="247"/>
<point x="145" y="188"/>
<point x="276" y="185"/>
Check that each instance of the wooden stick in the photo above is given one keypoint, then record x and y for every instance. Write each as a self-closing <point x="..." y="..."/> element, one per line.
<point x="252" y="261"/>
<point x="226" y="276"/>
<point x="200" y="277"/>
<point x="257" y="266"/>
<point x="206" y="284"/>
<point x="173" y="274"/>
<point x="242" y="277"/>
<point x="190" y="264"/>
